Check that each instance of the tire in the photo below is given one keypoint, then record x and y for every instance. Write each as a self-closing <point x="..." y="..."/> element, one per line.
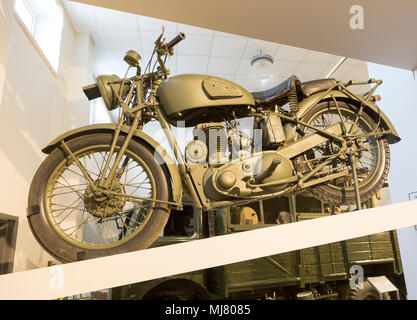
<point x="340" y="191"/>
<point x="116" y="234"/>
<point x="177" y="289"/>
<point x="366" y="293"/>
<point x="283" y="217"/>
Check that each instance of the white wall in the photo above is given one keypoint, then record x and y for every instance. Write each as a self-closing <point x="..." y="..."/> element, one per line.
<point x="36" y="106"/>
<point x="6" y="14"/>
<point x="399" y="104"/>
<point x="80" y="73"/>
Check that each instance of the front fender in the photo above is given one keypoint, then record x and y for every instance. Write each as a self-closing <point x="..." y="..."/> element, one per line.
<point x="370" y="108"/>
<point x="138" y="135"/>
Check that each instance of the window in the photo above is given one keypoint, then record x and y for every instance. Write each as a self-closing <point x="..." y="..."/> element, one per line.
<point x="8" y="232"/>
<point x="27" y="15"/>
<point x="44" y="20"/>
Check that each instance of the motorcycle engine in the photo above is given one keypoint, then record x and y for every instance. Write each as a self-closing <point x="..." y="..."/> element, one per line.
<point x="223" y="159"/>
<point x="215" y="145"/>
<point x="209" y="144"/>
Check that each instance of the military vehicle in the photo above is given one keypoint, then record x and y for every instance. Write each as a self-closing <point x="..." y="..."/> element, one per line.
<point x="98" y="180"/>
<point x="322" y="272"/>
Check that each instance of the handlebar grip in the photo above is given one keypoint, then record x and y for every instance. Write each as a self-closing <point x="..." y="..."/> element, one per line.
<point x="175" y="41"/>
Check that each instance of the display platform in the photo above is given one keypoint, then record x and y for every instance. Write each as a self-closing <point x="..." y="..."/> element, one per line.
<point x="108" y="272"/>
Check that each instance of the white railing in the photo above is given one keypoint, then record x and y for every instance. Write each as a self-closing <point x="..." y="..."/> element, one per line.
<point x="113" y="271"/>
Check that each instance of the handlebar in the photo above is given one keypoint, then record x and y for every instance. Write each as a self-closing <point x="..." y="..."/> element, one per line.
<point x="175" y="41"/>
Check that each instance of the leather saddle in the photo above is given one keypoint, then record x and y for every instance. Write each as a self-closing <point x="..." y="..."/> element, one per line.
<point x="279" y="94"/>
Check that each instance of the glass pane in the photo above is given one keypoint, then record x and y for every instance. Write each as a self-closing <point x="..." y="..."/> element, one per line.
<point x="49" y="28"/>
<point x="44" y="19"/>
<point x="25" y="14"/>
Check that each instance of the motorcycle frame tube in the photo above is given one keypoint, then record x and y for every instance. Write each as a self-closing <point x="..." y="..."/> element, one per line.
<point x="321" y="131"/>
<point x="182" y="166"/>
<point x="368" y="107"/>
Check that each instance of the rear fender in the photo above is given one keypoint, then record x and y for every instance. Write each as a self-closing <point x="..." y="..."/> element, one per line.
<point x="370" y="108"/>
<point x="153" y="145"/>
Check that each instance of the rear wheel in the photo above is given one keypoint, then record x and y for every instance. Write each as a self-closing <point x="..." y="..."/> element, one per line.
<point x="79" y="221"/>
<point x="371" y="153"/>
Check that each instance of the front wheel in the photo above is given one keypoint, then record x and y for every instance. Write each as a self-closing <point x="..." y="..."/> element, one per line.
<point x="75" y="221"/>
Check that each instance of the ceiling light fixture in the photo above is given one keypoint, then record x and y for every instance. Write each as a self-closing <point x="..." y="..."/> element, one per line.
<point x="263" y="73"/>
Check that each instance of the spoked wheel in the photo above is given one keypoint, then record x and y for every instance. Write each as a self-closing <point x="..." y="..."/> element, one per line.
<point x="368" y="154"/>
<point x="80" y="219"/>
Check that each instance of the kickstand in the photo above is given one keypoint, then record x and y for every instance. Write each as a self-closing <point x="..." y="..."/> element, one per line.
<point x="352" y="159"/>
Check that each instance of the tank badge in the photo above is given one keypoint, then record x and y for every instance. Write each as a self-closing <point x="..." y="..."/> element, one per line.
<point x="219" y="89"/>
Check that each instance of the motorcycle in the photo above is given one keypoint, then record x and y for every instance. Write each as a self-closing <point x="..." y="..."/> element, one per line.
<point x="109" y="188"/>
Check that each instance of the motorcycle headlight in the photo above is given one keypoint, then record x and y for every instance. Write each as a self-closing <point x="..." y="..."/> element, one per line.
<point x="108" y="89"/>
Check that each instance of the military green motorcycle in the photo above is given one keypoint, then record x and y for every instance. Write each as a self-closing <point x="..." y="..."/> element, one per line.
<point x="109" y="188"/>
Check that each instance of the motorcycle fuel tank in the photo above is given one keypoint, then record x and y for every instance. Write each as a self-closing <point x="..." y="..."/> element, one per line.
<point x="181" y="95"/>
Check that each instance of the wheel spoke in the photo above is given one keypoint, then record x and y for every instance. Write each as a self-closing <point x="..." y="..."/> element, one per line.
<point x="108" y="230"/>
<point x="100" y="233"/>
<point x="131" y="220"/>
<point x="95" y="160"/>
<point x="67" y="215"/>
<point x="68" y="184"/>
<point x="136" y="176"/>
<point x="68" y="192"/>
<point x="64" y="207"/>
<point x="69" y="187"/>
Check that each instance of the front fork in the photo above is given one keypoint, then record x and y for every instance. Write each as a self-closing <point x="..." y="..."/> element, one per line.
<point x="106" y="182"/>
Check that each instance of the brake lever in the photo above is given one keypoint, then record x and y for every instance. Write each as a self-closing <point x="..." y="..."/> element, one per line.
<point x="158" y="41"/>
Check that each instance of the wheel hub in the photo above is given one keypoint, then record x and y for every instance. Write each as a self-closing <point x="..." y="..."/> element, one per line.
<point x="103" y="205"/>
<point x="350" y="147"/>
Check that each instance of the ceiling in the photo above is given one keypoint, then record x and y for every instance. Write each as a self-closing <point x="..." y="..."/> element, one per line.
<point x="388" y="36"/>
<point x="203" y="51"/>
